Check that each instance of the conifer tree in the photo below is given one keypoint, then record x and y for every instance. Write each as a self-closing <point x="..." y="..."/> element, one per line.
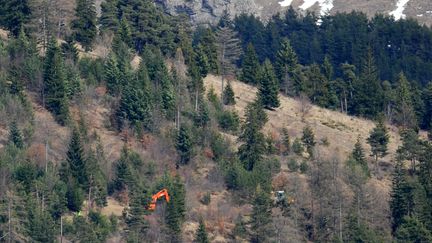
<point x="14" y="14"/>
<point x="201" y="234"/>
<point x="201" y="60"/>
<point x="412" y="230"/>
<point x="175" y="208"/>
<point x="268" y="86"/>
<point x="250" y="66"/>
<point x="400" y="196"/>
<point x="85" y="23"/>
<point x="229" y="98"/>
<point x="112" y="74"/>
<point x="208" y="41"/>
<point x="123" y="172"/>
<point x="261" y="218"/>
<point x="378" y="140"/>
<point x="286" y="66"/>
<point x="137" y="225"/>
<point x="359" y="157"/>
<point x="15" y="136"/>
<point x="184" y="146"/>
<point x="405" y="115"/>
<point x="308" y="140"/>
<point x="253" y="144"/>
<point x="109" y="20"/>
<point x="76" y="159"/>
<point x="286" y="141"/>
<point x="55" y="98"/>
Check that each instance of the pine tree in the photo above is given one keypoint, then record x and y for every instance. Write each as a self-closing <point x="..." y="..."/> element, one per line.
<point x="208" y="41"/>
<point x="85" y="23"/>
<point x="137" y="225"/>
<point x="308" y="140"/>
<point x="286" y="141"/>
<point x="359" y="157"/>
<point x="261" y="218"/>
<point x="112" y="74"/>
<point x="253" y="144"/>
<point x="175" y="210"/>
<point x="201" y="234"/>
<point x="228" y="94"/>
<point x="286" y="67"/>
<point x="268" y="86"/>
<point x="405" y="115"/>
<point x="14" y="14"/>
<point x="15" y="136"/>
<point x="76" y="159"/>
<point x="378" y="140"/>
<point x="184" y="146"/>
<point x="55" y="98"/>
<point x="250" y="66"/>
<point x="400" y="196"/>
<point x="201" y="60"/>
<point x="109" y="20"/>
<point x="412" y="230"/>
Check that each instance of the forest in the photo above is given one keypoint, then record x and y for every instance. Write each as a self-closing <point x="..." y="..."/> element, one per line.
<point x="62" y="65"/>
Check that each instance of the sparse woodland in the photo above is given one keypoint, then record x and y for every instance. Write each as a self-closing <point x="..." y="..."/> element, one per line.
<point x="99" y="111"/>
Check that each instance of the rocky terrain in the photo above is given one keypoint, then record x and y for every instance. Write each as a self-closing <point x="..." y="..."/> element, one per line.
<point x="208" y="11"/>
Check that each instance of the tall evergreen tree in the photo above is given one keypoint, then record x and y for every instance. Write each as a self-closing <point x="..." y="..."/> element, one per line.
<point x="201" y="60"/>
<point x="401" y="195"/>
<point x="268" y="86"/>
<point x="201" y="233"/>
<point x="55" y="98"/>
<point x="109" y="16"/>
<point x="412" y="230"/>
<point x="184" y="146"/>
<point x="176" y="210"/>
<point x="253" y="144"/>
<point x="405" y="115"/>
<point x="378" y="140"/>
<point x="208" y="42"/>
<point x="15" y="136"/>
<point x="229" y="97"/>
<point x="14" y="14"/>
<point x="76" y="159"/>
<point x="85" y="23"/>
<point x="250" y="66"/>
<point x="286" y="65"/>
<point x="137" y="225"/>
<point x="261" y="218"/>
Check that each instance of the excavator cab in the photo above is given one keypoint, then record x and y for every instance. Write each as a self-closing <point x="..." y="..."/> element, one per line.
<point x="155" y="197"/>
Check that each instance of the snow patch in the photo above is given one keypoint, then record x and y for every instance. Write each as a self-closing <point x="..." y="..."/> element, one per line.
<point x="398" y="12"/>
<point x="325" y="5"/>
<point x="419" y="15"/>
<point x="285" y="3"/>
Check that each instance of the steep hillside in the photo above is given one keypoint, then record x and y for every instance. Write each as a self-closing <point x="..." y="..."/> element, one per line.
<point x="209" y="11"/>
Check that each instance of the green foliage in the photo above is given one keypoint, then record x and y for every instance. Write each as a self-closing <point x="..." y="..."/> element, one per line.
<point x="268" y="86"/>
<point x="297" y="147"/>
<point x="304" y="167"/>
<point x="175" y="210"/>
<point x="15" y="136"/>
<point x="412" y="230"/>
<point x="228" y="121"/>
<point x="201" y="234"/>
<point x="293" y="166"/>
<point x="77" y="162"/>
<point x="55" y="90"/>
<point x="201" y="60"/>
<point x="206" y="199"/>
<point x="184" y="146"/>
<point x="40" y="225"/>
<point x="137" y="225"/>
<point x="378" y="140"/>
<point x="308" y="140"/>
<point x="253" y="143"/>
<point x="250" y="66"/>
<point x="286" y="141"/>
<point x="14" y="15"/>
<point x="124" y="171"/>
<point x="401" y="196"/>
<point x="108" y="20"/>
<point x="358" y="157"/>
<point x="358" y="231"/>
<point x="74" y="197"/>
<point x="286" y="67"/>
<point x="85" y="23"/>
<point x="228" y="95"/>
<point x="261" y="220"/>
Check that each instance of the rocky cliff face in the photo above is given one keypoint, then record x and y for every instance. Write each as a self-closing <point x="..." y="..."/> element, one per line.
<point x="209" y="11"/>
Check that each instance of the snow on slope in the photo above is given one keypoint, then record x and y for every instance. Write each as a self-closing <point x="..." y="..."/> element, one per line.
<point x="398" y="12"/>
<point x="285" y="3"/>
<point x="325" y="5"/>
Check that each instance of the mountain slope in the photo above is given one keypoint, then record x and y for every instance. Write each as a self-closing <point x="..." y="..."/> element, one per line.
<point x="209" y="11"/>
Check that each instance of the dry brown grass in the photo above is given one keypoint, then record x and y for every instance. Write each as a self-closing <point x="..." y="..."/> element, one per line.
<point x="340" y="129"/>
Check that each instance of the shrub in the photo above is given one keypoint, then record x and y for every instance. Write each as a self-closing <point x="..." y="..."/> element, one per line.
<point x="304" y="167"/>
<point x="293" y="166"/>
<point x="206" y="199"/>
<point x="297" y="147"/>
<point x="229" y="121"/>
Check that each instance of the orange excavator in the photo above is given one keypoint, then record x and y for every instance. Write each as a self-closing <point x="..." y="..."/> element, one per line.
<point x="155" y="197"/>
